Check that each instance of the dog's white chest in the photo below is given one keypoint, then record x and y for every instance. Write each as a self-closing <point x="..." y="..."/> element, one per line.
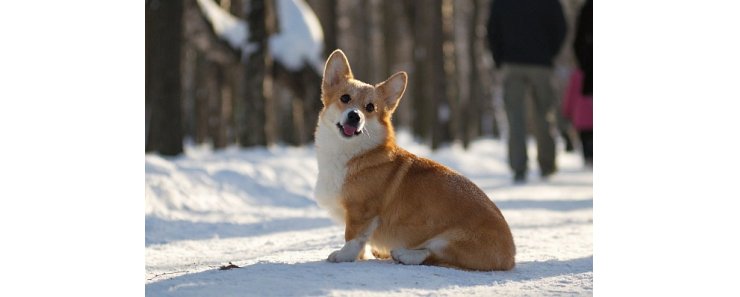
<point x="329" y="188"/>
<point x="332" y="161"/>
<point x="333" y="152"/>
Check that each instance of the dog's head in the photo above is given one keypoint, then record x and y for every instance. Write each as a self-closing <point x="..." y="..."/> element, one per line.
<point x="355" y="109"/>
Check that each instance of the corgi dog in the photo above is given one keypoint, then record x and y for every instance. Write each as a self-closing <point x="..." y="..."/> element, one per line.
<point x="404" y="207"/>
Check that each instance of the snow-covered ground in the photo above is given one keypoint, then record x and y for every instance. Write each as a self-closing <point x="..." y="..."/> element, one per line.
<point x="254" y="208"/>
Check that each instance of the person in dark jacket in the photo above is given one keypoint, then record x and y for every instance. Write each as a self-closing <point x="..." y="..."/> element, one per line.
<point x="524" y="37"/>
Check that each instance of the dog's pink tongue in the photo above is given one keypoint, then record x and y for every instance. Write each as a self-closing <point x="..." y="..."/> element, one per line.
<point x="349" y="130"/>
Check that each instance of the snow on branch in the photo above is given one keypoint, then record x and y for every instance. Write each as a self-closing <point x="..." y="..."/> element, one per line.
<point x="300" y="40"/>
<point x="226" y="26"/>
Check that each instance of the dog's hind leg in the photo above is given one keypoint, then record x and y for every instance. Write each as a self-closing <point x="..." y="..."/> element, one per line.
<point x="410" y="257"/>
<point x="485" y="254"/>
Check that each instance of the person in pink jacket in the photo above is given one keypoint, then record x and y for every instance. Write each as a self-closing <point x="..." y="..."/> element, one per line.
<point x="578" y="109"/>
<point x="578" y="104"/>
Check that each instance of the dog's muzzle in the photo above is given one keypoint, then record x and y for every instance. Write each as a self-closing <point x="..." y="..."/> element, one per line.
<point x="350" y="126"/>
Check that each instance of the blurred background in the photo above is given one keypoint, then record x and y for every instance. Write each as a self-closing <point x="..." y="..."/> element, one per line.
<point x="232" y="74"/>
<point x="248" y="72"/>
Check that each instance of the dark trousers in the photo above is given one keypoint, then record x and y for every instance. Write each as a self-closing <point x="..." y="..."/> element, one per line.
<point x="587" y="141"/>
<point x="520" y="78"/>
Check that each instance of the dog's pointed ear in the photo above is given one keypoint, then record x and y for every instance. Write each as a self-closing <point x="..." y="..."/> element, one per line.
<point x="392" y="89"/>
<point x="336" y="70"/>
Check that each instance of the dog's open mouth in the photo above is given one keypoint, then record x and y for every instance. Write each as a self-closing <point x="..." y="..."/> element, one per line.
<point x="348" y="130"/>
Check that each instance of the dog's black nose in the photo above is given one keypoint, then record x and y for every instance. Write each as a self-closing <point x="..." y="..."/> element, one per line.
<point x="353" y="117"/>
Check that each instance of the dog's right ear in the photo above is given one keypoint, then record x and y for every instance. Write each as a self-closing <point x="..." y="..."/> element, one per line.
<point x="336" y="70"/>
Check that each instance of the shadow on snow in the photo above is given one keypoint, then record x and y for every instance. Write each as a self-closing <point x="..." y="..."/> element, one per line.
<point x="556" y="205"/>
<point x="160" y="231"/>
<point x="320" y="278"/>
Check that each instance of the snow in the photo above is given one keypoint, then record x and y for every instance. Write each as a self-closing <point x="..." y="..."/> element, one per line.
<point x="300" y="39"/>
<point x="228" y="27"/>
<point x="255" y="208"/>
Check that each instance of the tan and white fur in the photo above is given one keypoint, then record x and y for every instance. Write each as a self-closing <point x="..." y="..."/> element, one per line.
<point x="411" y="209"/>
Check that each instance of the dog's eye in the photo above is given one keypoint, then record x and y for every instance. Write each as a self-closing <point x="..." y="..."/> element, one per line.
<point x="345" y="98"/>
<point x="370" y="107"/>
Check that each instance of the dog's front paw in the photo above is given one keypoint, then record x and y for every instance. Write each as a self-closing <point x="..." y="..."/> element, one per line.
<point x="341" y="256"/>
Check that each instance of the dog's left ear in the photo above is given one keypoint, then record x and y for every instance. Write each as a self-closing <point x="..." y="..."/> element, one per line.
<point x="392" y="89"/>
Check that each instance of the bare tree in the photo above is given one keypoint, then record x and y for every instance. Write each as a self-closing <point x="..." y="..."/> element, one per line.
<point x="398" y="49"/>
<point x="162" y="76"/>
<point x="260" y="128"/>
<point x="212" y="81"/>
<point x="486" y="92"/>
<point x="449" y="125"/>
<point x="429" y="81"/>
<point x="464" y="43"/>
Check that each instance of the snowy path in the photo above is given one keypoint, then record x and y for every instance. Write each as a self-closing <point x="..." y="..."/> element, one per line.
<point x="254" y="208"/>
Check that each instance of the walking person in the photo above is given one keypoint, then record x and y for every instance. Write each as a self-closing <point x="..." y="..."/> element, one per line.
<point x="578" y="105"/>
<point x="578" y="109"/>
<point x="525" y="36"/>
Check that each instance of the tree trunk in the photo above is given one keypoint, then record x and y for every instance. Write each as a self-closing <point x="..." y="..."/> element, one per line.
<point x="464" y="40"/>
<point x="423" y="113"/>
<point x="163" y="36"/>
<point x="398" y="48"/>
<point x="189" y="87"/>
<point x="354" y="37"/>
<point x="450" y="128"/>
<point x="491" y="99"/>
<point x="226" y="128"/>
<point x="238" y="72"/>
<point x="260" y="123"/>
<point x="311" y="104"/>
<point x="326" y="11"/>
<point x="374" y="27"/>
<point x="201" y="100"/>
<point x="214" y="82"/>
<point x="435" y="79"/>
